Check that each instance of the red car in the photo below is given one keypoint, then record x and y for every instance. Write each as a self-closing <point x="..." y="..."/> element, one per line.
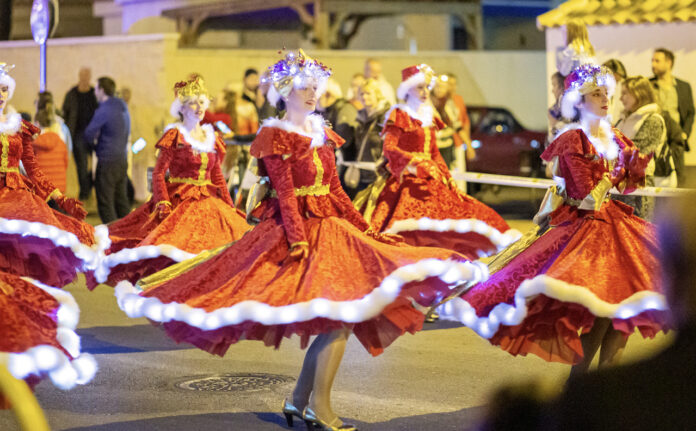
<point x="502" y="145"/>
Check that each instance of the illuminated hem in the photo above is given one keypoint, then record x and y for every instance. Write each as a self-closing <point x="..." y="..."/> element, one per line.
<point x="54" y="234"/>
<point x="460" y="310"/>
<point x="129" y="255"/>
<point x="499" y="240"/>
<point x="62" y="370"/>
<point x="353" y="311"/>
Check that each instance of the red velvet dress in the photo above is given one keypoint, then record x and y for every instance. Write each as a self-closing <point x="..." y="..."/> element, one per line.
<point x="596" y="259"/>
<point x="202" y="213"/>
<point x="37" y="341"/>
<point x="252" y="290"/>
<point x="420" y="190"/>
<point x="35" y="240"/>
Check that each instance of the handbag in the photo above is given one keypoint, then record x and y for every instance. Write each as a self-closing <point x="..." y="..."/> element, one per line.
<point x="351" y="178"/>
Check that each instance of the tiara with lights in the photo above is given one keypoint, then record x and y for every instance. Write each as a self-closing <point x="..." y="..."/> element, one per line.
<point x="587" y="77"/>
<point x="294" y="70"/>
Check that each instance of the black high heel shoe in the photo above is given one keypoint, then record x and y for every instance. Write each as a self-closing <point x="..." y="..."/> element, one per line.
<point x="289" y="411"/>
<point x="314" y="423"/>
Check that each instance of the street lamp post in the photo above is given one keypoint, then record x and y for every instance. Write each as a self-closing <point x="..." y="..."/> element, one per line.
<point x="40" y="22"/>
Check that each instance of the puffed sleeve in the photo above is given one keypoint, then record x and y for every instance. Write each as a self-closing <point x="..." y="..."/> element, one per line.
<point x="584" y="179"/>
<point x="43" y="187"/>
<point x="279" y="173"/>
<point x="216" y="175"/>
<point x="166" y="146"/>
<point x="396" y="124"/>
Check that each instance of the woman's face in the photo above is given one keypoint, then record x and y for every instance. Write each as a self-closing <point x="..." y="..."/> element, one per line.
<point x="629" y="100"/>
<point x="441" y="89"/>
<point x="193" y="108"/>
<point x="418" y="92"/>
<point x="368" y="97"/>
<point x="596" y="103"/>
<point x="356" y="83"/>
<point x="303" y="99"/>
<point x="4" y="96"/>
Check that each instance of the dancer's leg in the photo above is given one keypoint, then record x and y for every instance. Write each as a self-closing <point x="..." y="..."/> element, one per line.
<point x="613" y="345"/>
<point x="328" y="361"/>
<point x="305" y="381"/>
<point x="590" y="343"/>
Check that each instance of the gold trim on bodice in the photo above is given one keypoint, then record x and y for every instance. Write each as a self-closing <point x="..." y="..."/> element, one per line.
<point x="316" y="189"/>
<point x="425" y="155"/>
<point x="201" y="180"/>
<point x="4" y="158"/>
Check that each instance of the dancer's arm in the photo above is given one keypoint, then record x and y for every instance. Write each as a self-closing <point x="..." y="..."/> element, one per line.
<point x="216" y="175"/>
<point x="281" y="180"/>
<point x="160" y="195"/>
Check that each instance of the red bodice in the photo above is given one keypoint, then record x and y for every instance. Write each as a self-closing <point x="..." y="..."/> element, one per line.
<point x="303" y="178"/>
<point x="190" y="171"/>
<point x="583" y="168"/>
<point x="17" y="147"/>
<point x="406" y="142"/>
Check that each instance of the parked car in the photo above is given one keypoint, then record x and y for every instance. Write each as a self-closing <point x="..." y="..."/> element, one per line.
<point x="503" y="146"/>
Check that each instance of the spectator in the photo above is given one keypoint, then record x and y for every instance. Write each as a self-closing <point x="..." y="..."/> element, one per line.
<point x="367" y="145"/>
<point x="338" y="111"/>
<point x="352" y="94"/>
<point x="465" y="133"/>
<point x="110" y="127"/>
<point x="674" y="96"/>
<point x="373" y="69"/>
<point x="642" y="123"/>
<point x="616" y="108"/>
<point x="78" y="108"/>
<point x="50" y="147"/>
<point x="250" y="88"/>
<point x="453" y="135"/>
<point x="578" y="49"/>
<point x="556" y="120"/>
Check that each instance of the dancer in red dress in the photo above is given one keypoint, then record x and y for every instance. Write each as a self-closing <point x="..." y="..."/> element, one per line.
<point x="190" y="210"/>
<point x="35" y="240"/>
<point x="420" y="200"/>
<point x="590" y="265"/>
<point x="310" y="267"/>
<point x="38" y="339"/>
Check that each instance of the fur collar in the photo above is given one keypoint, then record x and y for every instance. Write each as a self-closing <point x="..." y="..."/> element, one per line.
<point x="605" y="144"/>
<point x="12" y="124"/>
<point x="424" y="115"/>
<point x="316" y="122"/>
<point x="206" y="146"/>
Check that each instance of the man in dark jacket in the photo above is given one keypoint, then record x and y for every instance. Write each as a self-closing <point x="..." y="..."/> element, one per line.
<point x="675" y="98"/>
<point x="110" y="127"/>
<point x="78" y="107"/>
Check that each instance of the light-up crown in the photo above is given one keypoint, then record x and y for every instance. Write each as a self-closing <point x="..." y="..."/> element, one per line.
<point x="295" y="70"/>
<point x="5" y="68"/>
<point x="587" y="77"/>
<point x="192" y="87"/>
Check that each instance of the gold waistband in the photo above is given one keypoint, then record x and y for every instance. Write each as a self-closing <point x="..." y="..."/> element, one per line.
<point x="4" y="169"/>
<point x="190" y="181"/>
<point x="319" y="190"/>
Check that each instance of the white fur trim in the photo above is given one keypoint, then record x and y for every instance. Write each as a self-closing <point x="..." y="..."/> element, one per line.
<point x="424" y="114"/>
<point x="499" y="240"/>
<point x="355" y="311"/>
<point x="12" y="124"/>
<point x="605" y="145"/>
<point x="411" y="82"/>
<point x="129" y="255"/>
<point x="316" y="122"/>
<point x="206" y="146"/>
<point x="510" y="315"/>
<point x="63" y="371"/>
<point x="57" y="236"/>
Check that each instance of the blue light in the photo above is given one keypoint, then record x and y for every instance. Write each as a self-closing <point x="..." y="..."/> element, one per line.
<point x="534" y="143"/>
<point x="476" y="144"/>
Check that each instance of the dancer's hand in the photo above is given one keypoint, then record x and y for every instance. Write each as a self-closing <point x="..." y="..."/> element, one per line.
<point x="298" y="251"/>
<point x="163" y="210"/>
<point x="72" y="207"/>
<point x="428" y="169"/>
<point x="386" y="238"/>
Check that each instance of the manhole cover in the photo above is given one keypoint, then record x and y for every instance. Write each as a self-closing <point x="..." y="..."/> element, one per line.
<point x="247" y="382"/>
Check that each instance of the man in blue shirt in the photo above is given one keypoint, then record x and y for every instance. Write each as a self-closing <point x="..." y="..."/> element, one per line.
<point x="110" y="127"/>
